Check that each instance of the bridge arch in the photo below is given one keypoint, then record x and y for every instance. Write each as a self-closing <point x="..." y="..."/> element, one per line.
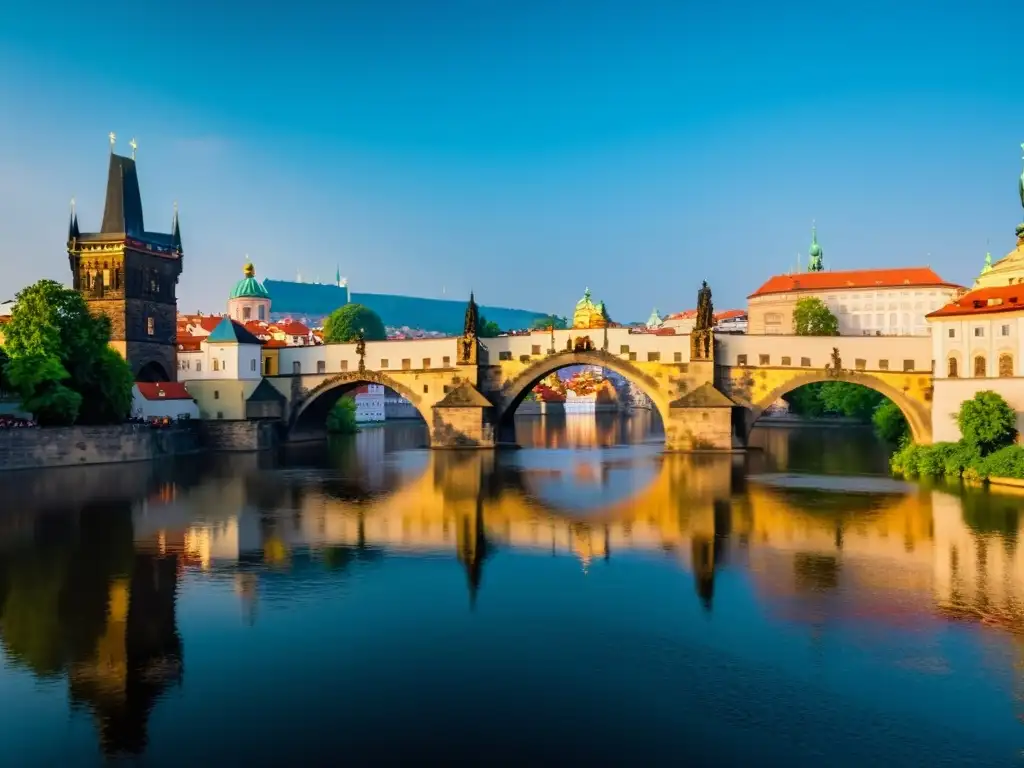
<point x="309" y="412"/>
<point x="917" y="415"/>
<point x="515" y="390"/>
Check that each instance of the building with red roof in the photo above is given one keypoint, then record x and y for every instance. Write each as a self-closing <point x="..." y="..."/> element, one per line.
<point x="978" y="341"/>
<point x="163" y="400"/>
<point x="866" y="302"/>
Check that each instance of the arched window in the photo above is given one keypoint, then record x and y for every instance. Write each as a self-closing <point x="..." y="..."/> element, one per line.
<point x="980" y="369"/>
<point x="1006" y="365"/>
<point x="247" y="313"/>
<point x="262" y="313"/>
<point x="951" y="368"/>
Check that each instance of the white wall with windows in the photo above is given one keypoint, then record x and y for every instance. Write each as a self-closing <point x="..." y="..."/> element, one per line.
<point x="220" y="361"/>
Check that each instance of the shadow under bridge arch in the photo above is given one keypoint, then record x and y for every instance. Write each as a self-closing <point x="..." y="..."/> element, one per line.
<point x="916" y="412"/>
<point x="308" y="417"/>
<point x="517" y="387"/>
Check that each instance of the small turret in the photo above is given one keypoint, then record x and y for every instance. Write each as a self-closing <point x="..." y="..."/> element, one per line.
<point x="73" y="232"/>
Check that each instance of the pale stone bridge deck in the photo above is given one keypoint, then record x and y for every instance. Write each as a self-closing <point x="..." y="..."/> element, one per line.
<point x="471" y="404"/>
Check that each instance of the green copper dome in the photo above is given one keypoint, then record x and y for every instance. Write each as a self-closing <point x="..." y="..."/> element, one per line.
<point x="249" y="287"/>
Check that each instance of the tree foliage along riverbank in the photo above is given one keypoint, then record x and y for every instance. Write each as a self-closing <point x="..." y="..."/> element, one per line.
<point x="840" y="398"/>
<point x="341" y="420"/>
<point x="986" y="449"/>
<point x="59" y="361"/>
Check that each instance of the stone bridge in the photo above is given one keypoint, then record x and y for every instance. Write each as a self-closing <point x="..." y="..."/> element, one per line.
<point x="467" y="390"/>
<point x="755" y="371"/>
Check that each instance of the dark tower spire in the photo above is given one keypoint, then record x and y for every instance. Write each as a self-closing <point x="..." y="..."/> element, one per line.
<point x="176" y="231"/>
<point x="73" y="232"/>
<point x="122" y="212"/>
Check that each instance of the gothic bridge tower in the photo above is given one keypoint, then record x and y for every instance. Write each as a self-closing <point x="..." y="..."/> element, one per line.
<point x="131" y="275"/>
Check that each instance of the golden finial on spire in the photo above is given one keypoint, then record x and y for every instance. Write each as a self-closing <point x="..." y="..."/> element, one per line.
<point x="113" y="139"/>
<point x="134" y="145"/>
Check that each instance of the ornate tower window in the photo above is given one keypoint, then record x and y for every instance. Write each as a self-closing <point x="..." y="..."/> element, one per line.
<point x="150" y="326"/>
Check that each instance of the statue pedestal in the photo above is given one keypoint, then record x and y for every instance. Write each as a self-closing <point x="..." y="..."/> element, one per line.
<point x="702" y="346"/>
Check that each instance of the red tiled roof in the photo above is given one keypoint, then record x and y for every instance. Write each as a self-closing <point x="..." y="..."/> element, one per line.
<point x="190" y="344"/>
<point x="852" y="279"/>
<point x="985" y="301"/>
<point x="729" y="314"/>
<point x="163" y="390"/>
<point x="684" y="315"/>
<point x="293" y="328"/>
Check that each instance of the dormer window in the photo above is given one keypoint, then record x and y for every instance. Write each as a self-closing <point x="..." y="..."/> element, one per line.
<point x="994" y="302"/>
<point x="978" y="303"/>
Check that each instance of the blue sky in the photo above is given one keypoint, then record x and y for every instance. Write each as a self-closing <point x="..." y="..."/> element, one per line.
<point x="523" y="149"/>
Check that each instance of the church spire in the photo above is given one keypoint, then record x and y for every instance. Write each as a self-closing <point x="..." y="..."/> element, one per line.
<point x="814" y="253"/>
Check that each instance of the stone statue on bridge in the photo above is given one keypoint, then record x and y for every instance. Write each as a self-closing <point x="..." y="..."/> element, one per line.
<point x="705" y="309"/>
<point x="361" y="349"/>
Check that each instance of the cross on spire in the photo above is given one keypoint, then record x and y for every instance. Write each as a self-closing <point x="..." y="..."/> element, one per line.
<point x="134" y="145"/>
<point x="113" y="140"/>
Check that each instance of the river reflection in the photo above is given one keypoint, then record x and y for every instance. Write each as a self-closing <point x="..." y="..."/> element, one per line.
<point x="600" y="602"/>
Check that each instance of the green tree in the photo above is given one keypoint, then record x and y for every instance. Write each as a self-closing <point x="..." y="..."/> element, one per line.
<point x="852" y="400"/>
<point x="543" y="323"/>
<point x="343" y="325"/>
<point x="60" y="362"/>
<point x="341" y="420"/>
<point x="987" y="422"/>
<point x="889" y="422"/>
<point x="487" y="329"/>
<point x="812" y="318"/>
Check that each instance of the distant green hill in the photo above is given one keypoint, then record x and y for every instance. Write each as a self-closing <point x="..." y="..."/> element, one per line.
<point x="315" y="301"/>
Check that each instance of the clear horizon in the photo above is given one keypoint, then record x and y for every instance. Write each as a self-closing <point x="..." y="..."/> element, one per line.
<point x="522" y="151"/>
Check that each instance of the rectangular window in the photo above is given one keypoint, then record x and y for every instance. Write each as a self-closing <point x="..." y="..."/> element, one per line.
<point x="426" y="362"/>
<point x="1005" y="330"/>
<point x="624" y="349"/>
<point x="446" y="361"/>
<point x="883" y="365"/>
<point x="296" y="367"/>
<point x="216" y="364"/>
<point x="252" y="364"/>
<point x="787" y="360"/>
<point x="952" y="333"/>
<point x="321" y="366"/>
<point x="150" y="325"/>
<point x="199" y="366"/>
<point x="741" y="359"/>
<point x="106" y="278"/>
<point x="344" y="365"/>
<point x="406" y="364"/>
<point x="262" y="312"/>
<point x="805" y="362"/>
<point x="216" y="394"/>
<point x="764" y="359"/>
<point x="535" y="349"/>
<point x="860" y="364"/>
<point x="220" y="414"/>
<point x="632" y="356"/>
<point x="384" y="363"/>
<point x="677" y="357"/>
<point x="908" y="365"/>
<point x="979" y="332"/>
<point x="506" y="355"/>
<point x="653" y="357"/>
<point x="426" y="389"/>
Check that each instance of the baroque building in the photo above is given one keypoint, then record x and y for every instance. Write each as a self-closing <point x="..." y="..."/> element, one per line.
<point x="978" y="341"/>
<point x="130" y="275"/>
<point x="249" y="299"/>
<point x="866" y="302"/>
<point x="590" y="315"/>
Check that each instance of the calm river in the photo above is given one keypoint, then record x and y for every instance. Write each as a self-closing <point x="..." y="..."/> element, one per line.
<point x="585" y="600"/>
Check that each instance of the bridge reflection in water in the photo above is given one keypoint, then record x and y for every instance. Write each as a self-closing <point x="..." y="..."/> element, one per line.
<point x="89" y="593"/>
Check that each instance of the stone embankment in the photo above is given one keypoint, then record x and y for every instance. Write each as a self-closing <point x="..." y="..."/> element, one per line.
<point x="39" y="448"/>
